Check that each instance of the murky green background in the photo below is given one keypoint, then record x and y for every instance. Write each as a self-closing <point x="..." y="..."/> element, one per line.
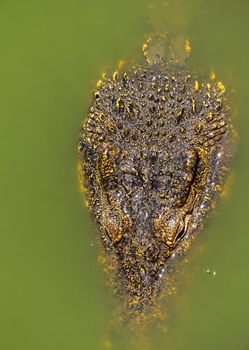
<point x="52" y="294"/>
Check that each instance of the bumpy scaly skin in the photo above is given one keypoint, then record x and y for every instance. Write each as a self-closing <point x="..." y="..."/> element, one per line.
<point x="153" y="157"/>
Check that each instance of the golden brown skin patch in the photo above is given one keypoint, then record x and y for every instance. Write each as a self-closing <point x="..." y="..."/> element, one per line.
<point x="154" y="155"/>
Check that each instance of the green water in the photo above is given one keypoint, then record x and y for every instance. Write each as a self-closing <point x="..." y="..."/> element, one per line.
<point x="52" y="294"/>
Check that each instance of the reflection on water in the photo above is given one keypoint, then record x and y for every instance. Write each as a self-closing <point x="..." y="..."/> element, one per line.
<point x="52" y="290"/>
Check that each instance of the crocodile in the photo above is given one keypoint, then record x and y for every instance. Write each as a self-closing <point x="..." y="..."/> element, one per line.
<point x="154" y="155"/>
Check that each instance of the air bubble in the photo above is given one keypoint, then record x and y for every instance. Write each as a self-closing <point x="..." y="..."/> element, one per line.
<point x="211" y="272"/>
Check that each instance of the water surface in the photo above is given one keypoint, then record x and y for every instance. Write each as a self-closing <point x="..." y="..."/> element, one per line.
<point x="52" y="294"/>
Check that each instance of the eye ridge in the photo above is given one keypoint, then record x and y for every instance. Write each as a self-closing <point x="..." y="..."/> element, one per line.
<point x="183" y="190"/>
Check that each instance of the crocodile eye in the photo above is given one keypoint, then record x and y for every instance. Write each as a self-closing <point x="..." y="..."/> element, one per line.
<point x="180" y="234"/>
<point x="113" y="229"/>
<point x="170" y="229"/>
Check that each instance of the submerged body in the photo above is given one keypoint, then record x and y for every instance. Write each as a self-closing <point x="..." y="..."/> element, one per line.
<point x="154" y="154"/>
